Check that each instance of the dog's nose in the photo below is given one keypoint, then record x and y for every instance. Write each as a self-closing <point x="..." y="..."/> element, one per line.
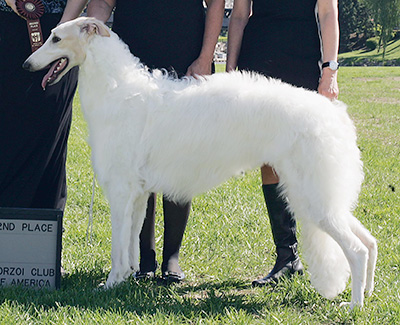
<point x="26" y="65"/>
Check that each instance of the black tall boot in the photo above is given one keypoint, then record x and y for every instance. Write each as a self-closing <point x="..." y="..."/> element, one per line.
<point x="283" y="228"/>
<point x="175" y="220"/>
<point x="148" y="262"/>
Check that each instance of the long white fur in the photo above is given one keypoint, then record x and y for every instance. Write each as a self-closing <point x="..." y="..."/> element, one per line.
<point x="149" y="133"/>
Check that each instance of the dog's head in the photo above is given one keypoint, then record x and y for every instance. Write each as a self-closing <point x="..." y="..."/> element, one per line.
<point x="65" y="48"/>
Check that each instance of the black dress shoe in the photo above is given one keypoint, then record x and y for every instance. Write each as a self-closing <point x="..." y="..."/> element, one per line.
<point x="141" y="275"/>
<point x="146" y="275"/>
<point x="173" y="277"/>
<point x="280" y="271"/>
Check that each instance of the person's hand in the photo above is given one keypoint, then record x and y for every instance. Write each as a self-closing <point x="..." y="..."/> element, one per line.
<point x="328" y="85"/>
<point x="199" y="67"/>
<point x="13" y="6"/>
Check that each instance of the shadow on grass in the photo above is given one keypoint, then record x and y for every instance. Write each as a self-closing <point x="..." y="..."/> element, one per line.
<point x="203" y="300"/>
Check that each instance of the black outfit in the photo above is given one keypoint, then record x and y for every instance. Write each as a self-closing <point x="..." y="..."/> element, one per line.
<point x="282" y="40"/>
<point x="34" y="124"/>
<point x="164" y="35"/>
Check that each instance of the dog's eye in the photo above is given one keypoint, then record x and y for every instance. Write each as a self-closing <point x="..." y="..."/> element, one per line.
<point x="56" y="39"/>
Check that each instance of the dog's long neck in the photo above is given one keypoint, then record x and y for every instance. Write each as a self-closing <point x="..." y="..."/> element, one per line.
<point x="110" y="65"/>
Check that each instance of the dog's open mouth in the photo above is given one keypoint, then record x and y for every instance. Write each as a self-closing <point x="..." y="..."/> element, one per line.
<point x="56" y="68"/>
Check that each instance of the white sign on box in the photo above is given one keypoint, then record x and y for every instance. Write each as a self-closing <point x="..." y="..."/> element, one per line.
<point x="30" y="247"/>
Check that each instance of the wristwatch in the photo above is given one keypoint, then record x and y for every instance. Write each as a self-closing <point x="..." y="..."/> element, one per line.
<point x="333" y="65"/>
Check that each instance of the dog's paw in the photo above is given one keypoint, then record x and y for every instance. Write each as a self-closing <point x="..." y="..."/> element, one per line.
<point x="111" y="282"/>
<point x="117" y="277"/>
<point x="350" y="305"/>
<point x="344" y="305"/>
<point x="106" y="286"/>
<point x="369" y="290"/>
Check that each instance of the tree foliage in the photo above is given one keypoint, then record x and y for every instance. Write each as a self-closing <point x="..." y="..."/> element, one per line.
<point x="356" y="25"/>
<point x="386" y="15"/>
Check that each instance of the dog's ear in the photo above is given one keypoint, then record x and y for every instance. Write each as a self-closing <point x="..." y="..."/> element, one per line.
<point x="94" y="27"/>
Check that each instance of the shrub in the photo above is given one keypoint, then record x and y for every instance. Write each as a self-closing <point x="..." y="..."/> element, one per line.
<point x="371" y="43"/>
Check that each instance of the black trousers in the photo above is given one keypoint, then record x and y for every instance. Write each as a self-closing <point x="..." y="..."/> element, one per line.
<point x="34" y="124"/>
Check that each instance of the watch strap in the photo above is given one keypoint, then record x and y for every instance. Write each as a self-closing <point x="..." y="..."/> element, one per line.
<point x="327" y="65"/>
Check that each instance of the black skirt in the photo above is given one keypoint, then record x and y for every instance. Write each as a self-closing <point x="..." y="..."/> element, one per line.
<point x="281" y="40"/>
<point x="34" y="124"/>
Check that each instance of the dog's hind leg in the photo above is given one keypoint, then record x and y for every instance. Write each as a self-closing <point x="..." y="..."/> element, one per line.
<point x="356" y="253"/>
<point x="370" y="242"/>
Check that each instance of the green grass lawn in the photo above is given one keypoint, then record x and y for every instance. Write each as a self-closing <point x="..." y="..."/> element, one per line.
<point x="366" y="57"/>
<point x="228" y="242"/>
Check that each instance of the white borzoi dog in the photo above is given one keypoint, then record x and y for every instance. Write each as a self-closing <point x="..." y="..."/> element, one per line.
<point x="150" y="133"/>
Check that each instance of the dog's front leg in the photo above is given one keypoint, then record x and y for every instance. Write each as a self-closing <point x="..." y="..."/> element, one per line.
<point x="138" y="216"/>
<point x="122" y="207"/>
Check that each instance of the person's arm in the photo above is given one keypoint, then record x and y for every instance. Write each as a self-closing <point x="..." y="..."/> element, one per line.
<point x="73" y="9"/>
<point x="215" y="15"/>
<point x="12" y="4"/>
<point x="328" y="18"/>
<point x="239" y="17"/>
<point x="101" y="9"/>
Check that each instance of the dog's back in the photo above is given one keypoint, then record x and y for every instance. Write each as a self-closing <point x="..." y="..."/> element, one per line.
<point x="240" y="121"/>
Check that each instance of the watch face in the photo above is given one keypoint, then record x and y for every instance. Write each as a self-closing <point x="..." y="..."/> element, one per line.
<point x="333" y="65"/>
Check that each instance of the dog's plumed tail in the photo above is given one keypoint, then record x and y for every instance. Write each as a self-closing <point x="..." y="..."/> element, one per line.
<point x="327" y="264"/>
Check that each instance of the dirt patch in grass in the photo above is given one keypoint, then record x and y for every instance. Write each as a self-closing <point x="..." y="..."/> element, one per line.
<point x="367" y="79"/>
<point x="383" y="100"/>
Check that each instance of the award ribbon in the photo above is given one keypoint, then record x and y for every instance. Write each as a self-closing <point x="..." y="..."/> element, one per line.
<point x="32" y="10"/>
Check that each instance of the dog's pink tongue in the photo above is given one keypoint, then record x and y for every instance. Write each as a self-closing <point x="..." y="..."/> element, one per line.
<point x="49" y="74"/>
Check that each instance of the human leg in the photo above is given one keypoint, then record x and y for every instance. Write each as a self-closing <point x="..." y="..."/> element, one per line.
<point x="283" y="228"/>
<point x="148" y="262"/>
<point x="175" y="220"/>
